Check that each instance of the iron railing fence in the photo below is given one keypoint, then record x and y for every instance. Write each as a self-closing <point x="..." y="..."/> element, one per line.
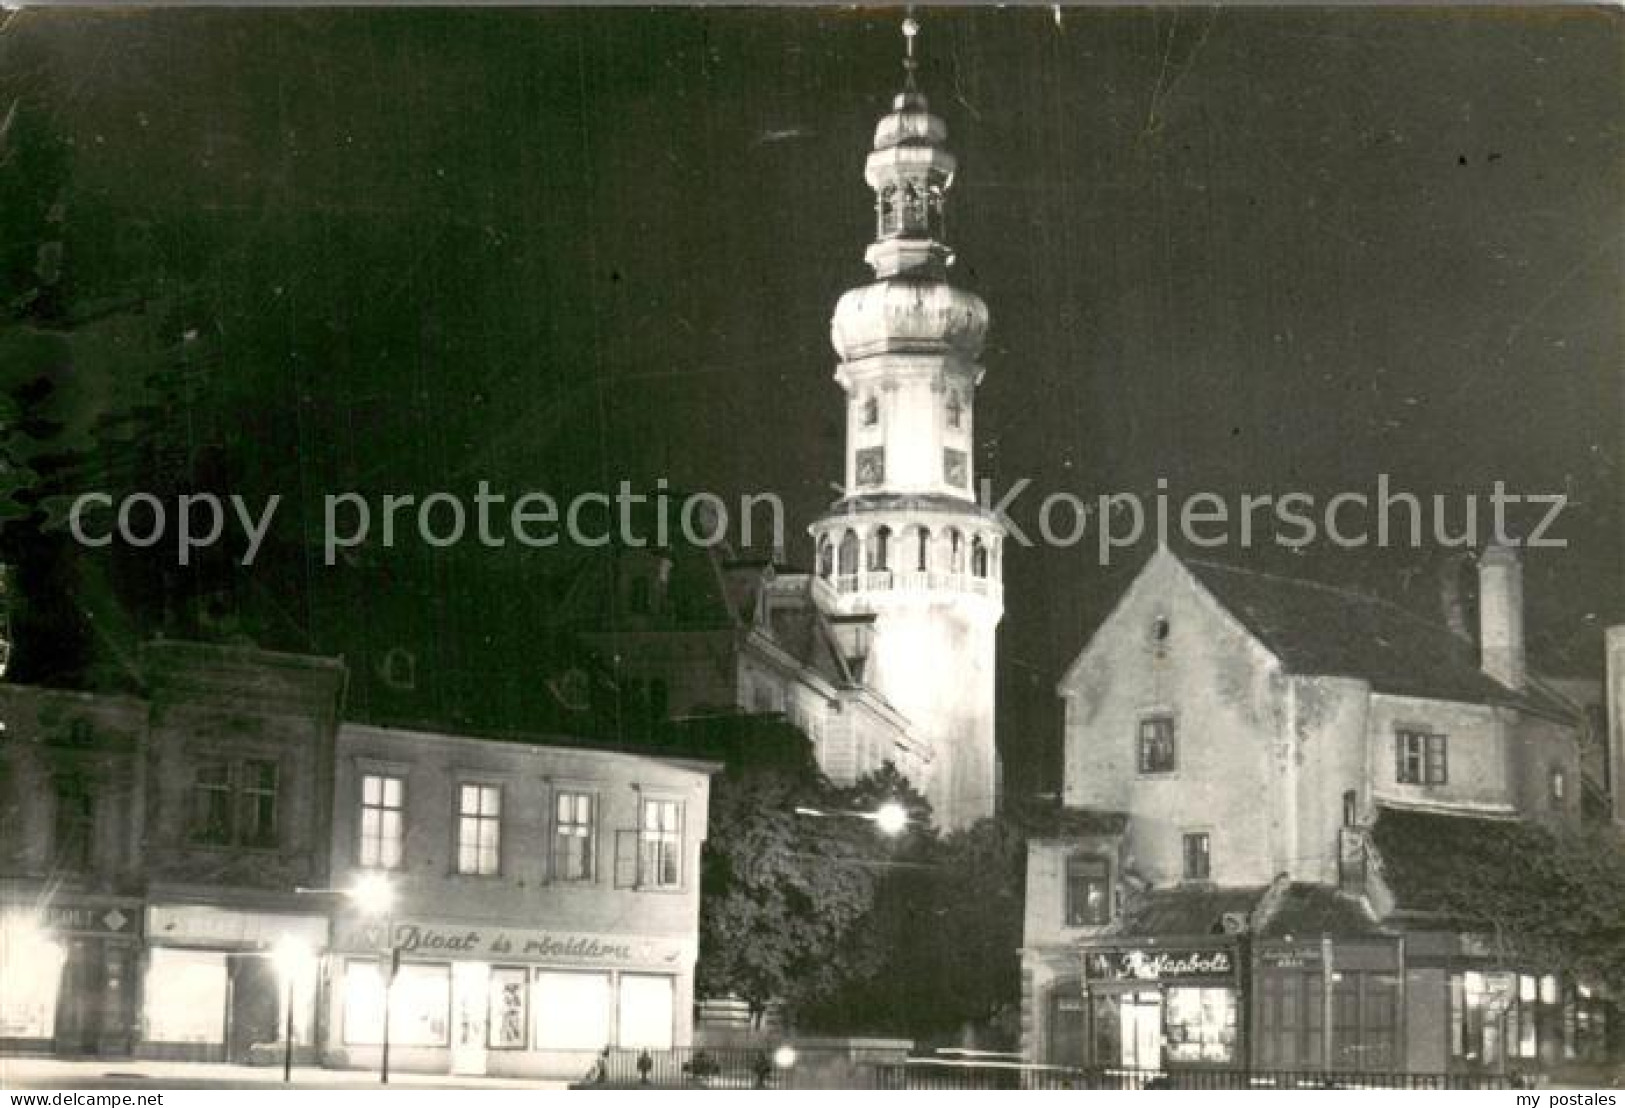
<point x="935" y="1074"/>
<point x="684" y="1068"/>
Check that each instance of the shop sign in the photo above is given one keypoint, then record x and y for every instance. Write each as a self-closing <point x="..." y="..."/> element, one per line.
<point x="1158" y="965"/>
<point x="1307" y="958"/>
<point x="494" y="943"/>
<point x="81" y="919"/>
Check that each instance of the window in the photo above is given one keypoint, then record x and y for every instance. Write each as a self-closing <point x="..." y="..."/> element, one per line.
<point x="419" y="1004"/>
<point x="383" y="828"/>
<point x="978" y="557"/>
<point x="256" y="810"/>
<point x="1420" y="758"/>
<point x="922" y="555"/>
<point x="1088" y="899"/>
<point x="1559" y="783"/>
<point x="75" y="822"/>
<point x="871" y="411"/>
<point x="956" y="410"/>
<point x="644" y="1014"/>
<point x="880" y="550"/>
<point x="479" y="829"/>
<point x="1157" y="744"/>
<point x="211" y="802"/>
<point x="660" y="839"/>
<point x="505" y="1021"/>
<point x="573" y="1010"/>
<point x="572" y="837"/>
<point x="640" y="602"/>
<point x="235" y="802"/>
<point x="1198" y="860"/>
<point x="1201" y="1025"/>
<point x="1351" y="808"/>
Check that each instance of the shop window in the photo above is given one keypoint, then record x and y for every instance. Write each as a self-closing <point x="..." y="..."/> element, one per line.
<point x="30" y="979"/>
<point x="1290" y="1014"/>
<point x="74" y="823"/>
<point x="186" y="996"/>
<point x="1364" y="1020"/>
<point x="383" y="828"/>
<point x="234" y="802"/>
<point x="1157" y="753"/>
<point x="505" y="1021"/>
<point x="419" y="1004"/>
<point x="660" y="842"/>
<point x="572" y="1011"/>
<point x="644" y="1014"/>
<point x="1420" y="758"/>
<point x="1200" y="1025"/>
<point x="1198" y="859"/>
<point x="479" y="829"/>
<point x="1088" y="891"/>
<point x="573" y="838"/>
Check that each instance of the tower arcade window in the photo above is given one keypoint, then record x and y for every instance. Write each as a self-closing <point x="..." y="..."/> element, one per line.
<point x="849" y="554"/>
<point x="956" y="552"/>
<point x="922" y="561"/>
<point x="880" y="550"/>
<point x="978" y="558"/>
<point x="826" y="557"/>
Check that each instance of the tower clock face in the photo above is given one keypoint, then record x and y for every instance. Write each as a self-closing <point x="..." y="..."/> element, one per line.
<point x="953" y="468"/>
<point x="871" y="465"/>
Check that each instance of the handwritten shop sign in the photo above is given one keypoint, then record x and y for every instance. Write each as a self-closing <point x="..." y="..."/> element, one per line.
<point x="455" y="940"/>
<point x="1158" y="965"/>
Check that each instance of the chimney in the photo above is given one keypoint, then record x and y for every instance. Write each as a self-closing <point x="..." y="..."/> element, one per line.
<point x="1500" y="615"/>
<point x="1615" y="694"/>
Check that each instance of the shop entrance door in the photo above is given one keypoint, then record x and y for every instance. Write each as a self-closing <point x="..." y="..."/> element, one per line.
<point x="79" y="1000"/>
<point x="1066" y="1026"/>
<point x="256" y="1005"/>
<point x="1142" y="1030"/>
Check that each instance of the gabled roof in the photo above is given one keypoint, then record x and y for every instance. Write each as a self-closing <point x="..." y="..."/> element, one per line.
<point x="1306" y="909"/>
<point x="1320" y="630"/>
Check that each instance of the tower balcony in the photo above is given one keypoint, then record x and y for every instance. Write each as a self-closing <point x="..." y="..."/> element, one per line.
<point x="910" y="581"/>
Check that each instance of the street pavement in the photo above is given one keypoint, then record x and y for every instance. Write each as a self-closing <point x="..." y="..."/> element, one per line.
<point x="133" y="1075"/>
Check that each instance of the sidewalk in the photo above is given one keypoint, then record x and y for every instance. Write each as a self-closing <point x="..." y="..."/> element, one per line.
<point x="122" y="1073"/>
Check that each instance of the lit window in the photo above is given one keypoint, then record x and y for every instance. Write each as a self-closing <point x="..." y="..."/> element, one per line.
<point x="383" y="828"/>
<point x="1157" y="744"/>
<point x="573" y="1010"/>
<point x="479" y="829"/>
<point x="1198" y="861"/>
<point x="1087" y="893"/>
<point x="1559" y="784"/>
<point x="1420" y="758"/>
<point x="645" y="1012"/>
<point x="660" y="839"/>
<point x="572" y="837"/>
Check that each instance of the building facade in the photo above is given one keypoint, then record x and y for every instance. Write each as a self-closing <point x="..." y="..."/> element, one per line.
<point x="544" y="902"/>
<point x="166" y="855"/>
<point x="1260" y="774"/>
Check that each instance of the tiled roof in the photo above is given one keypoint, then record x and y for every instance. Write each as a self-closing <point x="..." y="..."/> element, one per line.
<point x="1305" y="909"/>
<point x="1188" y="910"/>
<point x="1324" y="631"/>
<point x="1050" y="820"/>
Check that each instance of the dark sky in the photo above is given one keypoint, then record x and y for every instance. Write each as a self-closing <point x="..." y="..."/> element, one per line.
<point x="1244" y="250"/>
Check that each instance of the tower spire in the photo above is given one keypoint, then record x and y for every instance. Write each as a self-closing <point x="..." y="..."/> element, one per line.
<point x="911" y="28"/>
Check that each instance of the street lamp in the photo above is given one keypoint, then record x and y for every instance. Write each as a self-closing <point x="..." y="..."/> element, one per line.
<point x="375" y="896"/>
<point x="891" y="818"/>
<point x="293" y="958"/>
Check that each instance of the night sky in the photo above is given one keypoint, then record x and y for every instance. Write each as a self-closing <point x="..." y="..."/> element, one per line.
<point x="1243" y="250"/>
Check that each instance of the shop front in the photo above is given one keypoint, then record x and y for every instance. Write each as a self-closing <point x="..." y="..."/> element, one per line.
<point x="218" y="982"/>
<point x="1154" y="1008"/>
<point x="68" y="969"/>
<point x="482" y="999"/>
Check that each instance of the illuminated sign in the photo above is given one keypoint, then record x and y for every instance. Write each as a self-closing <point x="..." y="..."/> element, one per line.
<point x="416" y="938"/>
<point x="1158" y="965"/>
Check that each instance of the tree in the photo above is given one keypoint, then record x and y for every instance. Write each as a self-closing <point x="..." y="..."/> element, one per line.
<point x="782" y="893"/>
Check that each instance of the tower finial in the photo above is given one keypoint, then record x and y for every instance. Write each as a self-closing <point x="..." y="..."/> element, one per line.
<point x="911" y="28"/>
